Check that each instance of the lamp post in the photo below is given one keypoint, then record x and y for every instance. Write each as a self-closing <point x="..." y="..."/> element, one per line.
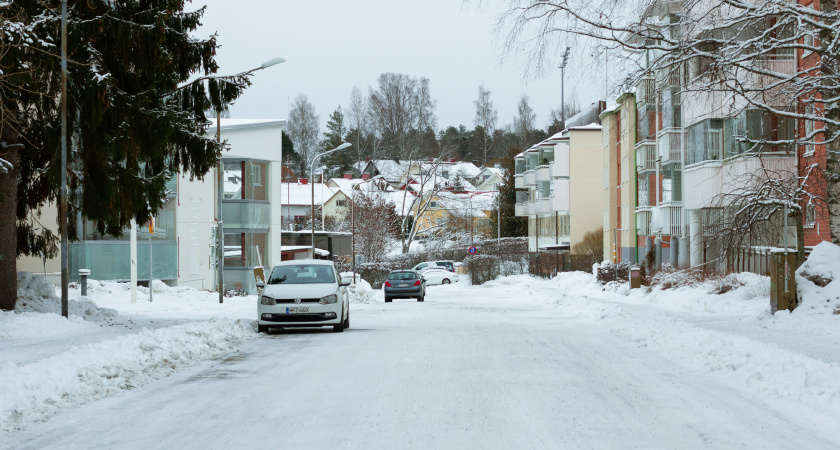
<point x="312" y="184"/>
<point x="220" y="234"/>
<point x="62" y="208"/>
<point x="562" y="87"/>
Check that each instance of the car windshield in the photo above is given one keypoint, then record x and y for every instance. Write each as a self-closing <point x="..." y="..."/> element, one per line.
<point x="302" y="274"/>
<point x="402" y="276"/>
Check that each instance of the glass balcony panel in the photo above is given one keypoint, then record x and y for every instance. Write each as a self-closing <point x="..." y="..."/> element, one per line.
<point x="245" y="249"/>
<point x="246" y="215"/>
<point x="111" y="260"/>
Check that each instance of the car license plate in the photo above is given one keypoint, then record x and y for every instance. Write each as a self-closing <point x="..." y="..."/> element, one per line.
<point x="296" y="310"/>
<point x="403" y="285"/>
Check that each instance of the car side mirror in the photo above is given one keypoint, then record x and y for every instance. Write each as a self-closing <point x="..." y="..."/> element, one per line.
<point x="260" y="284"/>
<point x="344" y="283"/>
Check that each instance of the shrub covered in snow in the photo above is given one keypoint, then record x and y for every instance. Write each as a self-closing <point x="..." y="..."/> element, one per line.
<point x="818" y="281"/>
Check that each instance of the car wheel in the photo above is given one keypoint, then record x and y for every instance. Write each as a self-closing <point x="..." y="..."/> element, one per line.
<point x="347" y="321"/>
<point x="339" y="327"/>
<point x="262" y="328"/>
<point x="445" y="281"/>
<point x="421" y="298"/>
<point x="387" y="299"/>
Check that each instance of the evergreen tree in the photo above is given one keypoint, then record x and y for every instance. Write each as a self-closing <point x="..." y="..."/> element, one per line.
<point x="134" y="118"/>
<point x="511" y="225"/>
<point x="341" y="161"/>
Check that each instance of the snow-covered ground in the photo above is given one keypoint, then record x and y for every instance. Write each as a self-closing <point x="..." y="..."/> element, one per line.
<point x="680" y="358"/>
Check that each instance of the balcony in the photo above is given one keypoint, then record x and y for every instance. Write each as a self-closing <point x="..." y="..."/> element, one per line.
<point x="643" y="222"/>
<point x="519" y="210"/>
<point x="646" y="156"/>
<point x="245" y="215"/>
<point x="669" y="142"/>
<point x="519" y="181"/>
<point x="111" y="260"/>
<point x="543" y="205"/>
<point x="524" y="209"/>
<point x="667" y="220"/>
<point x="529" y="178"/>
<point x="544" y="173"/>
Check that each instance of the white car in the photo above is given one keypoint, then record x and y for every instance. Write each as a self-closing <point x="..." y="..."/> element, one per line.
<point x="439" y="276"/>
<point x="303" y="293"/>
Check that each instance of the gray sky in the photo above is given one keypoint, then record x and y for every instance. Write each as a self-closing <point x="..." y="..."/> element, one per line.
<point x="331" y="46"/>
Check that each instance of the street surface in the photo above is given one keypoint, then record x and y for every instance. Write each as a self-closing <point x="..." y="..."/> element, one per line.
<point x="470" y="367"/>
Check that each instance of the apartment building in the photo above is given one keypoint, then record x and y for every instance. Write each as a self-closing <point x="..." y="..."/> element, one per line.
<point x="559" y="184"/>
<point x="183" y="239"/>
<point x="619" y="176"/>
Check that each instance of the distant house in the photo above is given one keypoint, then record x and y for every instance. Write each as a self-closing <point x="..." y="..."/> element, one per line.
<point x="489" y="178"/>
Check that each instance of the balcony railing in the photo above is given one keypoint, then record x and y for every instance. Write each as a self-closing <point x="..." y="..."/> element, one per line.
<point x="530" y="178"/>
<point x="519" y="181"/>
<point x="643" y="222"/>
<point x="543" y="205"/>
<point x="646" y="156"/>
<point x="245" y="215"/>
<point x="669" y="142"/>
<point x="667" y="220"/>
<point x="111" y="260"/>
<point x="519" y="210"/>
<point x="543" y="173"/>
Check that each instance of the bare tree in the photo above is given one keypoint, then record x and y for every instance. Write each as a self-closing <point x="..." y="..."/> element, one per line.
<point x="756" y="208"/>
<point x="401" y="113"/>
<point x="357" y="120"/>
<point x="733" y="54"/>
<point x="486" y="117"/>
<point x="304" y="130"/>
<point x="377" y="225"/>
<point x="523" y="122"/>
<point x="556" y="115"/>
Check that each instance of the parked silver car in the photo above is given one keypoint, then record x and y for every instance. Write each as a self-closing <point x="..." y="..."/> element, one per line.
<point x="404" y="284"/>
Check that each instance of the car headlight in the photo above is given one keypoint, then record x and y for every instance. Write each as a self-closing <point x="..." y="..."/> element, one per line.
<point x="267" y="301"/>
<point x="332" y="298"/>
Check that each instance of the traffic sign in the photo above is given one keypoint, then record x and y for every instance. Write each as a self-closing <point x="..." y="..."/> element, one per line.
<point x="473" y="250"/>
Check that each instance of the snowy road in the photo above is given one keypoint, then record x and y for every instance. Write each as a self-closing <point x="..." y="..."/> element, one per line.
<point x="468" y="368"/>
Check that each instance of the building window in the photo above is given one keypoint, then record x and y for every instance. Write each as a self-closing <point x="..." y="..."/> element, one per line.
<point x="433" y="204"/>
<point x="341" y="202"/>
<point x="809" y="128"/>
<point x="810" y="215"/>
<point x="256" y="175"/>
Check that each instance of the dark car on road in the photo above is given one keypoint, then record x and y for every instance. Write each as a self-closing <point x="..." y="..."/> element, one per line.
<point x="404" y="284"/>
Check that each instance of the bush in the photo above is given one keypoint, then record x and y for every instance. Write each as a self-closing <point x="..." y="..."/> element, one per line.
<point x="609" y="272"/>
<point x="590" y="249"/>
<point x="482" y="268"/>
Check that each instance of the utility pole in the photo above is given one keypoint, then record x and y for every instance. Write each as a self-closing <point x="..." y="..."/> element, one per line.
<point x="62" y="209"/>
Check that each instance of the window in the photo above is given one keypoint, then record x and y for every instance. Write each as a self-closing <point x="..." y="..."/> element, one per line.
<point x="256" y="175"/>
<point x="433" y="204"/>
<point x="810" y="215"/>
<point x="341" y="202"/>
<point x="445" y="174"/>
<point x="808" y="129"/>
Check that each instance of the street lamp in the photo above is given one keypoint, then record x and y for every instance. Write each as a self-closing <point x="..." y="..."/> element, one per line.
<point x="312" y="184"/>
<point x="562" y="67"/>
<point x="220" y="192"/>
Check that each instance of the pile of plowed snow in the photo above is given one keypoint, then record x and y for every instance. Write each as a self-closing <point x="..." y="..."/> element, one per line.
<point x="818" y="281"/>
<point x="37" y="295"/>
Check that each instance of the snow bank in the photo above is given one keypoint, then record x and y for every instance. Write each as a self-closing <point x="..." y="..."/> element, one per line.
<point x="768" y="369"/>
<point x="361" y="292"/>
<point x="37" y="295"/>
<point x="818" y="281"/>
<point x="34" y="392"/>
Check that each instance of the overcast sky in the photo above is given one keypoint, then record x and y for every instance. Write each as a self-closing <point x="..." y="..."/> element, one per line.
<point x="331" y="46"/>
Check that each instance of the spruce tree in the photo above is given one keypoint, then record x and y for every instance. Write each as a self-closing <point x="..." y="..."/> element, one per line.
<point x="134" y="117"/>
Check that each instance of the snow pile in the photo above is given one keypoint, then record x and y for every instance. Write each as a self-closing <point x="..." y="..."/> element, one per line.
<point x="37" y="295"/>
<point x="36" y="391"/>
<point x="584" y="308"/>
<point x="361" y="292"/>
<point x="29" y="325"/>
<point x="818" y="281"/>
<point x="766" y="368"/>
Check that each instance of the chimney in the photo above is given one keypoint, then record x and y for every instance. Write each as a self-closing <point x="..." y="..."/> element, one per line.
<point x="348" y="175"/>
<point x="303" y="180"/>
<point x="366" y="176"/>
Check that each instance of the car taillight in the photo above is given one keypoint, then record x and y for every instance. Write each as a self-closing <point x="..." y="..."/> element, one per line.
<point x="387" y="284"/>
<point x="417" y="283"/>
